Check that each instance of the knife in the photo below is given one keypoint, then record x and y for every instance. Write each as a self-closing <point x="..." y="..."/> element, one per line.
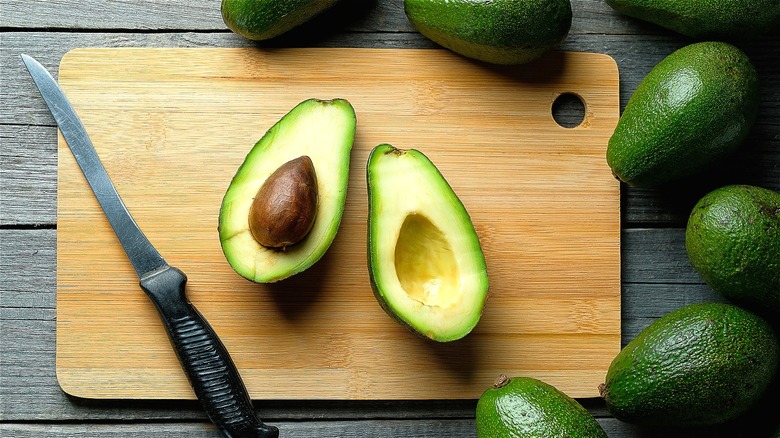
<point x="207" y="363"/>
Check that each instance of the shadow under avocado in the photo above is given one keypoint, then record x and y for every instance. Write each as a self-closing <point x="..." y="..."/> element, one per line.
<point x="295" y="295"/>
<point x="762" y="420"/>
<point x="460" y="357"/>
<point x="331" y="22"/>
<point x="546" y="69"/>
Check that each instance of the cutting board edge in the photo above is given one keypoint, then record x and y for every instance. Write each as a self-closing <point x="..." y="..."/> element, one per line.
<point x="66" y="57"/>
<point x="65" y="384"/>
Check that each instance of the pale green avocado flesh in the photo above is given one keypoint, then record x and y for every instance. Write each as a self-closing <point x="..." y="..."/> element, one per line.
<point x="322" y="130"/>
<point x="426" y="264"/>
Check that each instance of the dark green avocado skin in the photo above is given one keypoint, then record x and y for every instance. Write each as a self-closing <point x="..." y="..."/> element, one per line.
<point x="265" y="19"/>
<point x="530" y="408"/>
<point x="494" y="31"/>
<point x="693" y="109"/>
<point x="706" y="19"/>
<point x="733" y="241"/>
<point x="703" y="364"/>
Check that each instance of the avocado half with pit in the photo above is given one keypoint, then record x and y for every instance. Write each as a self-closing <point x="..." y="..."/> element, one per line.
<point x="289" y="192"/>
<point x="425" y="261"/>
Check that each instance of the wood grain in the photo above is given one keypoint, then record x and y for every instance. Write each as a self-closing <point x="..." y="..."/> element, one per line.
<point x="428" y="428"/>
<point x="174" y="15"/>
<point x="173" y="127"/>
<point x="28" y="309"/>
<point x="29" y="394"/>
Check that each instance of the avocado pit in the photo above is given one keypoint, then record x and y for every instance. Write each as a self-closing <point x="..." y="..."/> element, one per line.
<point x="284" y="209"/>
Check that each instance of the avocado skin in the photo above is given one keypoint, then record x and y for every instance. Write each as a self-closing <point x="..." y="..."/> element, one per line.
<point x="531" y="408"/>
<point x="706" y="19"/>
<point x="494" y="31"/>
<point x="694" y="108"/>
<point x="374" y="234"/>
<point x="265" y="19"/>
<point x="733" y="241"/>
<point x="703" y="364"/>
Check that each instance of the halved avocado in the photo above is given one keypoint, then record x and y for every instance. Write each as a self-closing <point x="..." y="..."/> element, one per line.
<point x="324" y="131"/>
<point x="425" y="262"/>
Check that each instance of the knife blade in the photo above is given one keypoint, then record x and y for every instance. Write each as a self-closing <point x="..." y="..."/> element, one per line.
<point x="205" y="360"/>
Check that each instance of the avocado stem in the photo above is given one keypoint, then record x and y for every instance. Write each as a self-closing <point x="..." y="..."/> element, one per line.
<point x="502" y="381"/>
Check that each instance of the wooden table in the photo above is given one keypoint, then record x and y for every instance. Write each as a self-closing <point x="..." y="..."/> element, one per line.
<point x="656" y="275"/>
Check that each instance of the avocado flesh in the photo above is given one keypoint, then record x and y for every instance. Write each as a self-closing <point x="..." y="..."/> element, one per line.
<point x="703" y="364"/>
<point x="733" y="241"/>
<point x="425" y="262"/>
<point x="265" y="19"/>
<point x="693" y="109"/>
<point x="322" y="130"/>
<point x="498" y="32"/>
<point x="530" y="408"/>
<point x="706" y="19"/>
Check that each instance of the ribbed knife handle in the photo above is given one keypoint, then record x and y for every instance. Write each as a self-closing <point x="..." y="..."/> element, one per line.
<point x="208" y="366"/>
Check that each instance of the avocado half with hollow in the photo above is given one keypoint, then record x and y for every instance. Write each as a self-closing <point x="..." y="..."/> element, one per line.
<point x="315" y="136"/>
<point x="425" y="261"/>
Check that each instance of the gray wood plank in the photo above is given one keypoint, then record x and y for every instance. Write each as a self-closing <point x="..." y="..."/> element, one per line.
<point x="324" y="429"/>
<point x="656" y="256"/>
<point x="167" y="15"/>
<point x="28" y="175"/>
<point x="451" y="428"/>
<point x="589" y="16"/>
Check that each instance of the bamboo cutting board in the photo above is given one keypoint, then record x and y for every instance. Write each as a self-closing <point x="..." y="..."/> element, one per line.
<point x="173" y="125"/>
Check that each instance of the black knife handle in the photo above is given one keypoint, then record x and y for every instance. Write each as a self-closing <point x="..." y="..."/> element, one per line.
<point x="205" y="359"/>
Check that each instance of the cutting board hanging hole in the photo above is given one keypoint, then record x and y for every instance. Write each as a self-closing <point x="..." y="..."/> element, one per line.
<point x="568" y="110"/>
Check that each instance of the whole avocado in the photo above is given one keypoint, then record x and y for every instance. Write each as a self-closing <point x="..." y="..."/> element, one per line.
<point x="529" y="408"/>
<point x="703" y="364"/>
<point x="733" y="241"/>
<point x="694" y="108"/>
<point x="494" y="31"/>
<point x="704" y="19"/>
<point x="265" y="19"/>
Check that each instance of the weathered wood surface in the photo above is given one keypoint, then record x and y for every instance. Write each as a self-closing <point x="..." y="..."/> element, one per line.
<point x="657" y="277"/>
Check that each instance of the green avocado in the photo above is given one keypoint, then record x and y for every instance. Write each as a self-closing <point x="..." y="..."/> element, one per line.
<point x="694" y="108"/>
<point x="494" y="31"/>
<point x="703" y="364"/>
<point x="266" y="19"/>
<point x="706" y="19"/>
<point x="323" y="131"/>
<point x="425" y="261"/>
<point x="529" y="408"/>
<point x="733" y="241"/>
